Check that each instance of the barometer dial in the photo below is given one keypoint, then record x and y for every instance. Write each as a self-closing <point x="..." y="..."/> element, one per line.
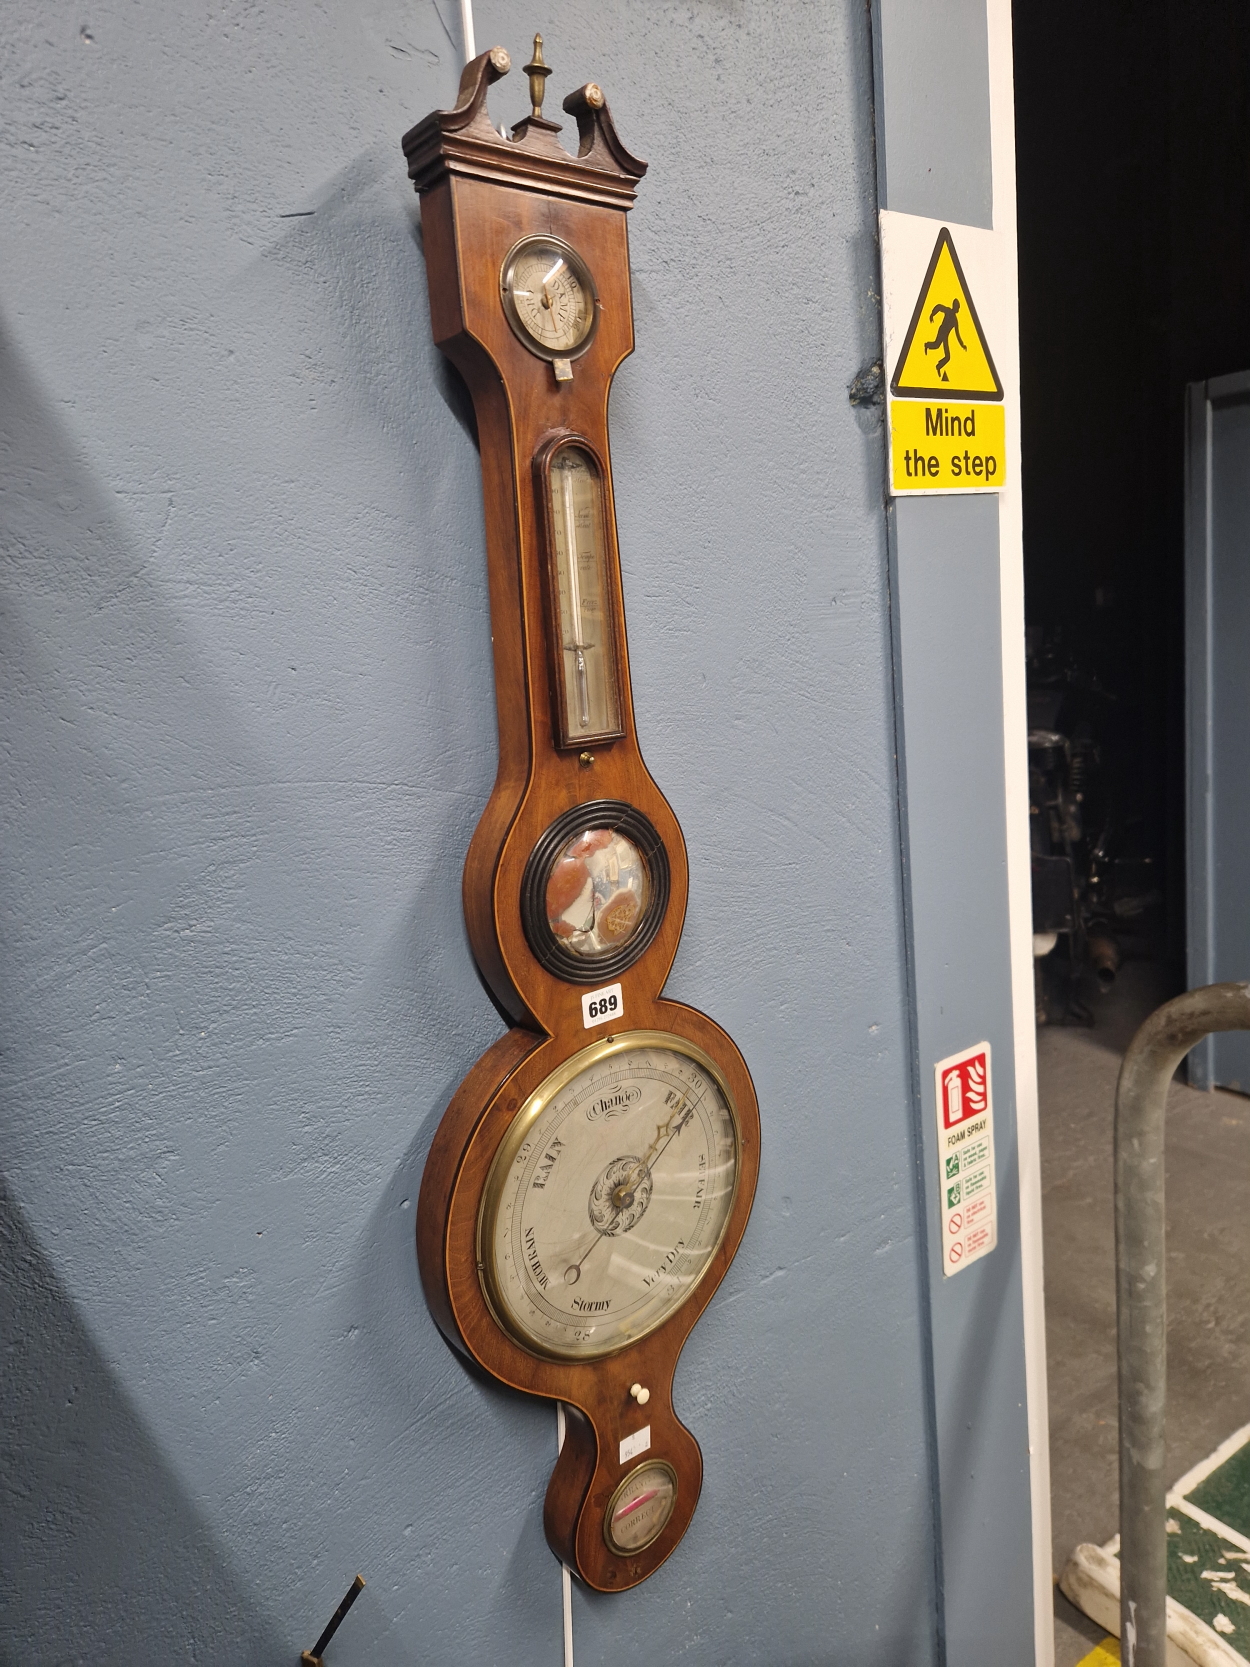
<point x="549" y="297"/>
<point x="609" y="1196"/>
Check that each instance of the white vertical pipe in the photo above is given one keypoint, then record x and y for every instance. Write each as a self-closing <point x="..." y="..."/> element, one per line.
<point x="566" y="1579"/>
<point x="1019" y="898"/>
<point x="466" y="30"/>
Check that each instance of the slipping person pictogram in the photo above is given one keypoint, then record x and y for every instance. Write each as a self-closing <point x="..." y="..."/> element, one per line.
<point x="945" y="316"/>
<point x="950" y="321"/>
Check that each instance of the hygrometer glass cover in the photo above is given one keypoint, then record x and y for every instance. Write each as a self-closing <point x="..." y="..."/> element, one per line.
<point x="640" y="1507"/>
<point x="549" y="297"/>
<point x="597" y="892"/>
<point x="609" y="1196"/>
<point x="589" y="705"/>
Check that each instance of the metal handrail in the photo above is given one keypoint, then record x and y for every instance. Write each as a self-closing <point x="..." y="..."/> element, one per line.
<point x="1141" y="1312"/>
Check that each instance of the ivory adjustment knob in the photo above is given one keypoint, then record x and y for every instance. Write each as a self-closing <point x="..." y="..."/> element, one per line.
<point x="641" y="1395"/>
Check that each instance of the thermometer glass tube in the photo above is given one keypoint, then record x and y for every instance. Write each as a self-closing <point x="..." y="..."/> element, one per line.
<point x="589" y="703"/>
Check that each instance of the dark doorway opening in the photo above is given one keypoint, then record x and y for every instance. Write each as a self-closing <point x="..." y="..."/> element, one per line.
<point x="1133" y="175"/>
<point x="1133" y="164"/>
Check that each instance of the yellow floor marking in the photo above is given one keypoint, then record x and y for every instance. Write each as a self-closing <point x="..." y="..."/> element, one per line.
<point x="1106" y="1653"/>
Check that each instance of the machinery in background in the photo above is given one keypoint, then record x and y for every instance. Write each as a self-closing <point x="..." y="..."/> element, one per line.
<point x="1093" y="897"/>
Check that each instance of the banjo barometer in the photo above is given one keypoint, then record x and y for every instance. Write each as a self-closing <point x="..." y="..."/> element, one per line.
<point x="591" y="1180"/>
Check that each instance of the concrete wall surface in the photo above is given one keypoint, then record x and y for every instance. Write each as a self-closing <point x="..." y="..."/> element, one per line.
<point x="246" y="728"/>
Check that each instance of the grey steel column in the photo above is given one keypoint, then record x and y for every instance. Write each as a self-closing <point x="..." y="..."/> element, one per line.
<point x="1141" y="1306"/>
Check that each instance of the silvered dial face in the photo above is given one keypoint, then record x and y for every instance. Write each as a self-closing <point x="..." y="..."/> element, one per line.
<point x="608" y="1198"/>
<point x="549" y="296"/>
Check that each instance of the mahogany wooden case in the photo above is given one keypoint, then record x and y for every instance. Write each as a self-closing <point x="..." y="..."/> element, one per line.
<point x="480" y="195"/>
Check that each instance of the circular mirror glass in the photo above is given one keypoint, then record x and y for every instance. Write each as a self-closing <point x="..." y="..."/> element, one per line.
<point x="596" y="893"/>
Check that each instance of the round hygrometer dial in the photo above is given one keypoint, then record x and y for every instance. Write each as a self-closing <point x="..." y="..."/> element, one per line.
<point x="549" y="297"/>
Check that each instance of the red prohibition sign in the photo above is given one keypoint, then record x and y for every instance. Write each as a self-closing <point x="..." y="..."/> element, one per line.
<point x="957" y="1251"/>
<point x="955" y="1224"/>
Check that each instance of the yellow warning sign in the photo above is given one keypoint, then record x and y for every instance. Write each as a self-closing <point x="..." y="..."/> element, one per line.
<point x="945" y="353"/>
<point x="936" y="447"/>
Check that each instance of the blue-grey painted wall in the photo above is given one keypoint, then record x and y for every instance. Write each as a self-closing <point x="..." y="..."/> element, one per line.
<point x="948" y="609"/>
<point x="246" y="731"/>
<point x="934" y="160"/>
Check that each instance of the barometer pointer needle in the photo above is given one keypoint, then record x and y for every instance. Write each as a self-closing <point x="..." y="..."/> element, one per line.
<point x="576" y="1267"/>
<point x="685" y="1112"/>
<point x="547" y="300"/>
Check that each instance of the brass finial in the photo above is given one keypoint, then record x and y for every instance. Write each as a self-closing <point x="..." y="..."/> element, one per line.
<point x="538" y="72"/>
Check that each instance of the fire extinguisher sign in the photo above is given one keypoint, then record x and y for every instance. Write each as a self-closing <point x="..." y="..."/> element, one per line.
<point x="965" y="1120"/>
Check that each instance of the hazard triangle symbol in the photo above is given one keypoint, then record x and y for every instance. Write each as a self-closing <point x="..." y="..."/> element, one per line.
<point x="945" y="351"/>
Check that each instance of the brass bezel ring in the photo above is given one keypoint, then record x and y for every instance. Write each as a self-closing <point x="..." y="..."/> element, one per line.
<point x="580" y="271"/>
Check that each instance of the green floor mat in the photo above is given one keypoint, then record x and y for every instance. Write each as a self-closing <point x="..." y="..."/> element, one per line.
<point x="1225" y="1494"/>
<point x="1207" y="1573"/>
<point x="1209" y="1541"/>
<point x="1208" y="1562"/>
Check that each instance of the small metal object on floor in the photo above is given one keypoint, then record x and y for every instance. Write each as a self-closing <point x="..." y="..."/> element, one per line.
<point x="312" y="1658"/>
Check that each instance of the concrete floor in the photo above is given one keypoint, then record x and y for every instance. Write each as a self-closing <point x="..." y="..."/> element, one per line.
<point x="1208" y="1198"/>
